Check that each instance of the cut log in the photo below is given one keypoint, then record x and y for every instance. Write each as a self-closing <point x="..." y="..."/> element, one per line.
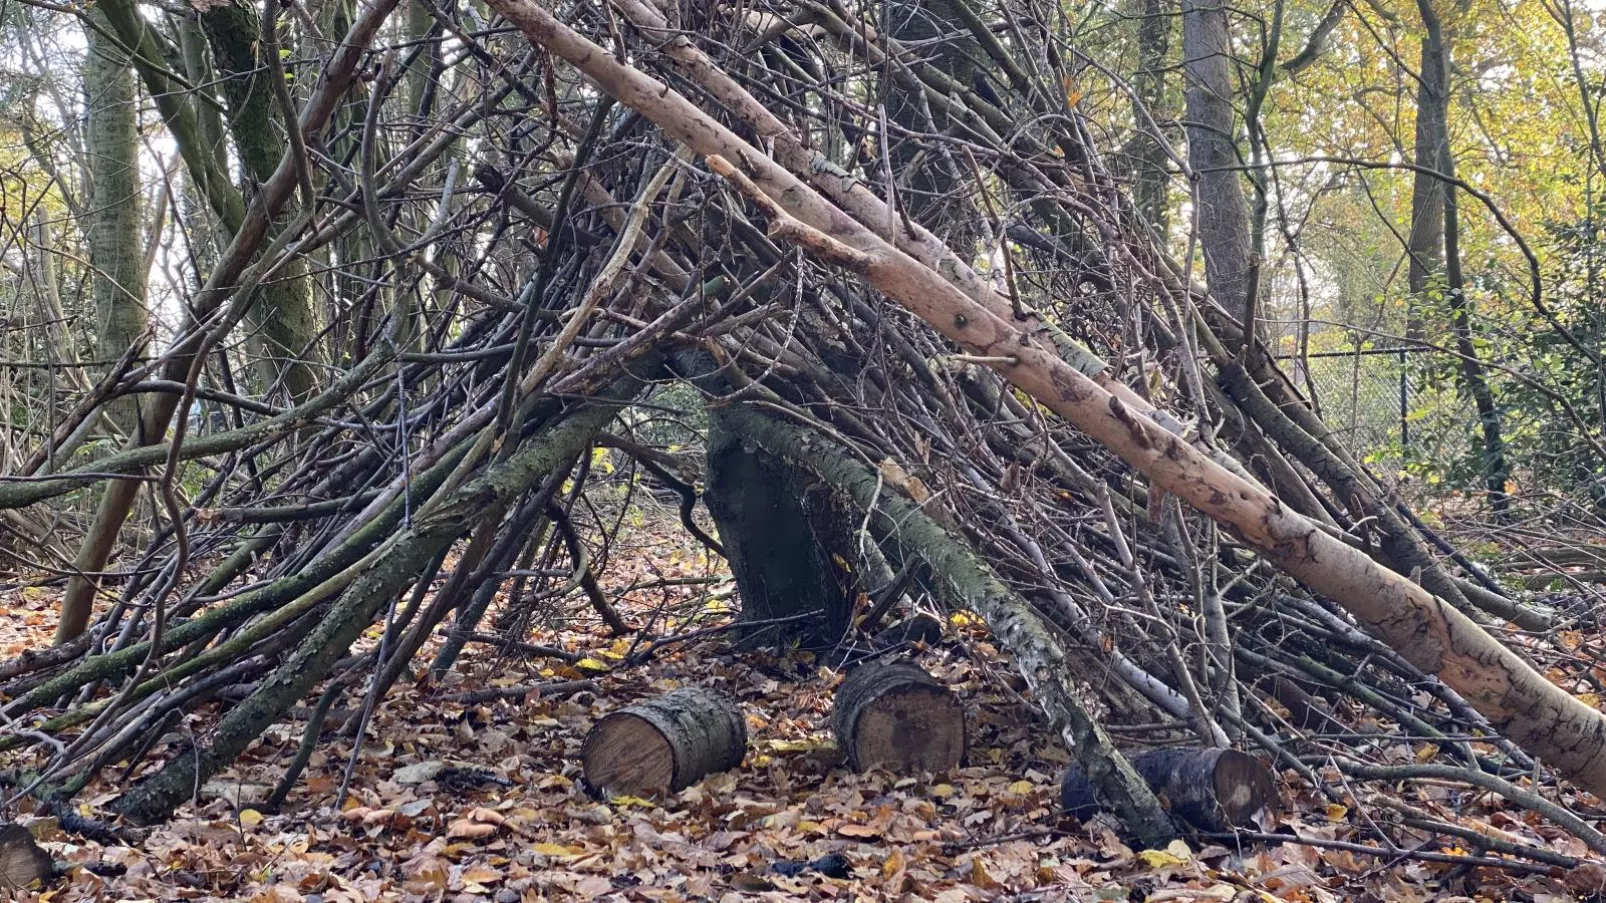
<point x="1211" y="789"/>
<point x="895" y="716"/>
<point x="22" y="862"/>
<point x="664" y="745"/>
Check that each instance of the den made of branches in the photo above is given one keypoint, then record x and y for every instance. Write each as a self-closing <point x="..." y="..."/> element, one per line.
<point x="860" y="294"/>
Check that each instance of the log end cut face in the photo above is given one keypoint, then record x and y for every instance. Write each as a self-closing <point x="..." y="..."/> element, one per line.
<point x="626" y="754"/>
<point x="22" y="861"/>
<point x="895" y="716"/>
<point x="920" y="729"/>
<point x="1243" y="786"/>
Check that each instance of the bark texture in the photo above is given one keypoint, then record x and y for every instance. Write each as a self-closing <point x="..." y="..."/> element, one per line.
<point x="665" y="745"/>
<point x="1209" y="789"/>
<point x="116" y="253"/>
<point x="1221" y="211"/>
<point x="281" y="317"/>
<point x="788" y="538"/>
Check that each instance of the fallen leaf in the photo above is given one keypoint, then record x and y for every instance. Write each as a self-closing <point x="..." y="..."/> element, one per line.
<point x="1176" y="853"/>
<point x="464" y="829"/>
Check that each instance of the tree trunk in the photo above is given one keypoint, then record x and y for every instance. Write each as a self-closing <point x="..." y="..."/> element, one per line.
<point x="1425" y="243"/>
<point x="1148" y="111"/>
<point x="665" y="745"/>
<point x="789" y="539"/>
<point x="895" y="716"/>
<point x="116" y="254"/>
<point x="924" y="172"/>
<point x="1221" y="212"/>
<point x="1492" y="455"/>
<point x="283" y="325"/>
<point x="248" y="229"/>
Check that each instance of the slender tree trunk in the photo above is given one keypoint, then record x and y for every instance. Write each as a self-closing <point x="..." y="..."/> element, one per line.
<point x="1492" y="456"/>
<point x="1426" y="241"/>
<point x="1148" y="112"/>
<point x="924" y="171"/>
<point x="119" y="282"/>
<point x="281" y="318"/>
<point x="1221" y="211"/>
<point x="115" y="228"/>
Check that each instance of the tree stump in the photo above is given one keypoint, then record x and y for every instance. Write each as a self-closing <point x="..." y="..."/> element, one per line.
<point x="1210" y="789"/>
<point x="665" y="744"/>
<point x="898" y="717"/>
<point x="789" y="538"/>
<point x="22" y="862"/>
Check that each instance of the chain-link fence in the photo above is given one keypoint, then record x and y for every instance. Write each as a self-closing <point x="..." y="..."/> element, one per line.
<point x="1389" y="407"/>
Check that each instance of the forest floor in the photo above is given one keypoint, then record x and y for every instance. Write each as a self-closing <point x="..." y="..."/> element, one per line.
<point x="482" y="800"/>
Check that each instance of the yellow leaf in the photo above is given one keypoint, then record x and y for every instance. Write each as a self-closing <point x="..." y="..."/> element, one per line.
<point x="250" y="818"/>
<point x="590" y="664"/>
<point x="1175" y="854"/>
<point x="979" y="875"/>
<point x="795" y="746"/>
<point x="1021" y="787"/>
<point x="942" y="791"/>
<point x="1336" y="812"/>
<point x="553" y="849"/>
<point x="1427" y="752"/>
<point x="894" y="863"/>
<point x="632" y="801"/>
<point x="810" y="827"/>
<point x="841" y="562"/>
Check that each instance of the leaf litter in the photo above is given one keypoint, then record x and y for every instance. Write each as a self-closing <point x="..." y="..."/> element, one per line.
<point x="470" y="790"/>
